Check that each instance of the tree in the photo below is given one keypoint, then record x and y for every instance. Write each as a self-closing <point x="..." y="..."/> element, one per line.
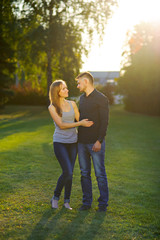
<point x="140" y="82"/>
<point x="57" y="27"/>
<point x="7" y="66"/>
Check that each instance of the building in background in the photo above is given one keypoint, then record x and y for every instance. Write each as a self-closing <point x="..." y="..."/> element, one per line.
<point x="102" y="78"/>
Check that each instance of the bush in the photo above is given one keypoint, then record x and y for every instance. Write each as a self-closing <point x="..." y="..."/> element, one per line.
<point x="107" y="90"/>
<point x="26" y="95"/>
<point x="5" y="94"/>
<point x="140" y="82"/>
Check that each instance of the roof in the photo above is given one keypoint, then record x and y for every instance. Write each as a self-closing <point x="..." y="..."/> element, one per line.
<point x="106" y="75"/>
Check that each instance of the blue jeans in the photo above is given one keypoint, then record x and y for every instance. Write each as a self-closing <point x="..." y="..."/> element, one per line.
<point x="85" y="153"/>
<point x="66" y="155"/>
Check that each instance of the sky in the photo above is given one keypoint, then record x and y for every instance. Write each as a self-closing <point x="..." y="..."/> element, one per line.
<point x="107" y="56"/>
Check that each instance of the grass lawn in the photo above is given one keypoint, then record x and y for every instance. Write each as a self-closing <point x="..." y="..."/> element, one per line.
<point x="29" y="171"/>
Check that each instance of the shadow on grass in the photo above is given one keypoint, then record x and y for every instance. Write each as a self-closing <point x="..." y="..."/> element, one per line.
<point x="46" y="224"/>
<point x="67" y="225"/>
<point x="22" y="119"/>
<point x="20" y="169"/>
<point x="83" y="227"/>
<point x="21" y="125"/>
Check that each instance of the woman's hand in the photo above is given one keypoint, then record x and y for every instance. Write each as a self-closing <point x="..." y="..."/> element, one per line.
<point x="86" y="123"/>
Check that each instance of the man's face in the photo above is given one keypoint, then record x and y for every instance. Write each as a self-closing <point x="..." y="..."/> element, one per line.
<point x="81" y="84"/>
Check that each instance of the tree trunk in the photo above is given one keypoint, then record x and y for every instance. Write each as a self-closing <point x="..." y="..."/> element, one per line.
<point x="49" y="73"/>
<point x="49" y="56"/>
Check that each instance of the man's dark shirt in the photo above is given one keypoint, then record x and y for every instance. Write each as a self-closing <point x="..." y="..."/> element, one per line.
<point x="93" y="107"/>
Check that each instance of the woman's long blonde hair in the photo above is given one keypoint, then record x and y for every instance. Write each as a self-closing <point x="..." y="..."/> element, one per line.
<point x="55" y="88"/>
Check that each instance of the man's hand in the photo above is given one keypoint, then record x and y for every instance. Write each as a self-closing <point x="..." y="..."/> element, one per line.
<point x="96" y="146"/>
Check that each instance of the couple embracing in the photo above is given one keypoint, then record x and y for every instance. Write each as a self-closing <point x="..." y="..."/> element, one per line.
<point x="91" y="120"/>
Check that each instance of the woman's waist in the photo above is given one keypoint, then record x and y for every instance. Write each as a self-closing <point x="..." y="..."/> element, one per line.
<point x="65" y="131"/>
<point x="66" y="135"/>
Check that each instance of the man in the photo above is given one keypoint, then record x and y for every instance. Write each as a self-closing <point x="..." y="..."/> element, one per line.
<point x="91" y="141"/>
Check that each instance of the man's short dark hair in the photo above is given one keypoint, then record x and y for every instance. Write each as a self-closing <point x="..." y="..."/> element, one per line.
<point x="88" y="75"/>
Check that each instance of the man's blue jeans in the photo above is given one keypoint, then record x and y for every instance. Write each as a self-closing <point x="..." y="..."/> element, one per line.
<point x="66" y="155"/>
<point x="85" y="153"/>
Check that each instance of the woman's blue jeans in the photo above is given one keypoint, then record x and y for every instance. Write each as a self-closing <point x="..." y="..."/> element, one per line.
<point x="85" y="153"/>
<point x="66" y="155"/>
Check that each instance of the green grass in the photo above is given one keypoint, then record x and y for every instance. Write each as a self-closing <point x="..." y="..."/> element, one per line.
<point x="29" y="171"/>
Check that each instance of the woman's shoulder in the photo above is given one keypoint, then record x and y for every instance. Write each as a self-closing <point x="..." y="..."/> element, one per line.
<point x="51" y="107"/>
<point x="72" y="102"/>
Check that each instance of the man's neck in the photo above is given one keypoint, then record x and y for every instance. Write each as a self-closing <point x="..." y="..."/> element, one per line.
<point x="88" y="90"/>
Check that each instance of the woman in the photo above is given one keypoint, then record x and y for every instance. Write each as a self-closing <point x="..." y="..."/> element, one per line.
<point x="64" y="113"/>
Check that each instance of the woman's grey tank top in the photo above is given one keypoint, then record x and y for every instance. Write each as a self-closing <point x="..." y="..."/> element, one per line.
<point x="66" y="135"/>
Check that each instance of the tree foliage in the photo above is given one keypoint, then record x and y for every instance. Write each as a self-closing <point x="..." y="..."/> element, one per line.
<point x="45" y="38"/>
<point x="7" y="66"/>
<point x="57" y="27"/>
<point x="140" y="82"/>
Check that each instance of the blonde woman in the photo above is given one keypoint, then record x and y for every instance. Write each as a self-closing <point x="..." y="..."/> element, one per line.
<point x="64" y="113"/>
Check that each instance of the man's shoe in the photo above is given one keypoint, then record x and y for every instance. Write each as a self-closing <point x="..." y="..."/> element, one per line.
<point x="84" y="207"/>
<point x="102" y="209"/>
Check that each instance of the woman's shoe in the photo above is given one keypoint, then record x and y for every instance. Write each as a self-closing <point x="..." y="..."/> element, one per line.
<point x="54" y="203"/>
<point x="66" y="205"/>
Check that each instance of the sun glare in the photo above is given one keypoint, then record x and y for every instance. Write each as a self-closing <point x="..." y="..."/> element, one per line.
<point x="107" y="57"/>
<point x="135" y="11"/>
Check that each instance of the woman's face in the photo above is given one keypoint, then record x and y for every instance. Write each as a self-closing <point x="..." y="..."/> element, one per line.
<point x="63" y="91"/>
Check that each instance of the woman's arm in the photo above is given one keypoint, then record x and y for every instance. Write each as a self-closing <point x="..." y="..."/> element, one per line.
<point x="62" y="125"/>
